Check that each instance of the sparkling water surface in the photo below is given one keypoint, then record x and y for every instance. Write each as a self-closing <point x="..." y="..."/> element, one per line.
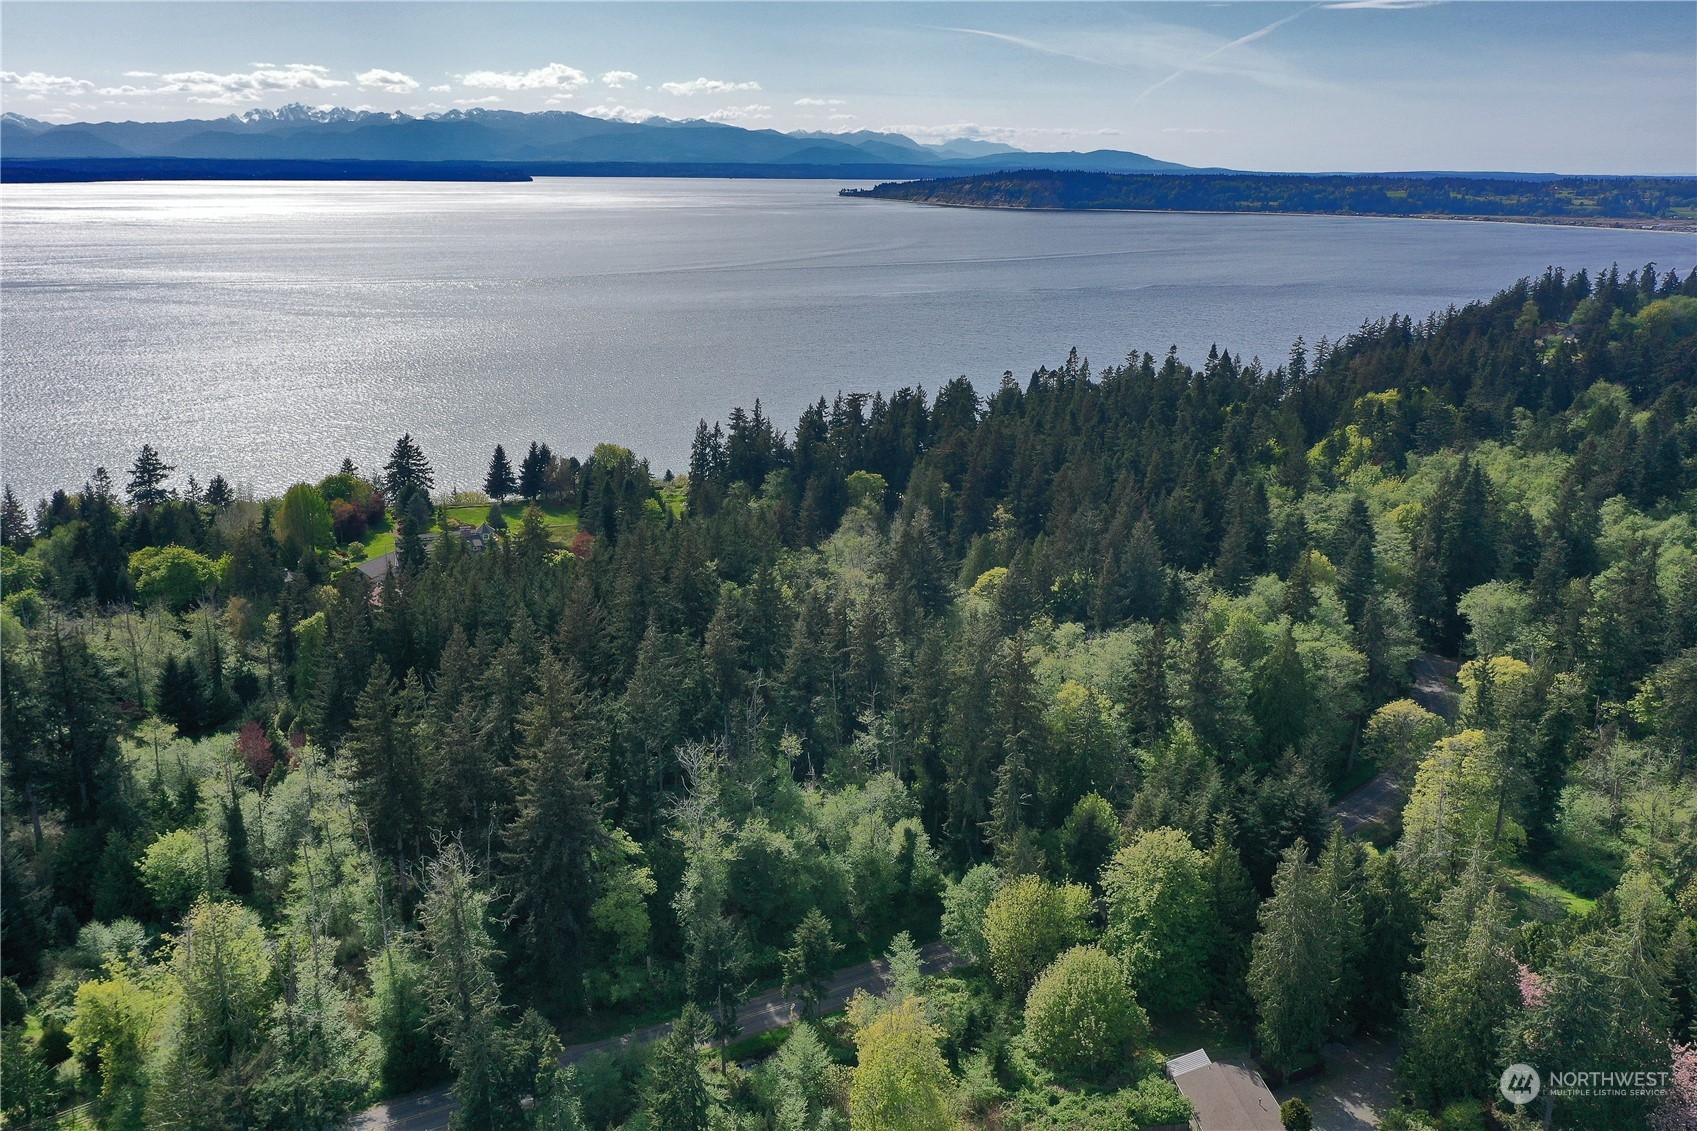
<point x="267" y="330"/>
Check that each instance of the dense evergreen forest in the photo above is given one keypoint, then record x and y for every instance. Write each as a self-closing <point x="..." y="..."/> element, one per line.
<point x="1561" y="198"/>
<point x="1066" y="673"/>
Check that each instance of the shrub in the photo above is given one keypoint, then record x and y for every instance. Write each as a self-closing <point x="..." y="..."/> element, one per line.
<point x="1462" y="1115"/>
<point x="1152" y="1102"/>
<point x="1081" y="1018"/>
<point x="1295" y="1116"/>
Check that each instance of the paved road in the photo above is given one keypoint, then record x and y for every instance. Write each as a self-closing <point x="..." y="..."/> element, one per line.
<point x="1435" y="689"/>
<point x="1380" y="797"/>
<point x="429" y="1111"/>
<point x="1357" y="1088"/>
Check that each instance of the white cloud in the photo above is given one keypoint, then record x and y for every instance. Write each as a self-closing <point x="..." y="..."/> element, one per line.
<point x="555" y="76"/>
<point x="486" y="100"/>
<point x="819" y="102"/>
<point x="1190" y="130"/>
<point x="141" y="74"/>
<point x="620" y="113"/>
<point x="753" y="110"/>
<point x="391" y="82"/>
<point x="125" y="91"/>
<point x="35" y="82"/>
<point x="443" y="89"/>
<point x="226" y="89"/>
<point x="706" y="86"/>
<point x="616" y="79"/>
<point x="841" y="118"/>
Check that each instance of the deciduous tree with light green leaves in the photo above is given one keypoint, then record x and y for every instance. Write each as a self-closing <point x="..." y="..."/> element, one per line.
<point x="1160" y="912"/>
<point x="182" y="865"/>
<point x="172" y="577"/>
<point x="1399" y="734"/>
<point x="1457" y="801"/>
<point x="1028" y="923"/>
<point x="302" y="524"/>
<point x="902" y="1082"/>
<point x="1081" y="1018"/>
<point x="113" y="1026"/>
<point x="964" y="905"/>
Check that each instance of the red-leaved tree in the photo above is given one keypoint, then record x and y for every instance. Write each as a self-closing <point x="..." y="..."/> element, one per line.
<point x="254" y="747"/>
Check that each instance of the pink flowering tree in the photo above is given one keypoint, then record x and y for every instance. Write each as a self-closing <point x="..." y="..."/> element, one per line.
<point x="1678" y="1110"/>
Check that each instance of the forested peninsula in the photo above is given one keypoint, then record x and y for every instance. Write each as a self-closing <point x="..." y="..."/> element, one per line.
<point x="377" y="786"/>
<point x="1662" y="202"/>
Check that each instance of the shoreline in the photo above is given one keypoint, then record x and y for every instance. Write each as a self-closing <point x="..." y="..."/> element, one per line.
<point x="1618" y="224"/>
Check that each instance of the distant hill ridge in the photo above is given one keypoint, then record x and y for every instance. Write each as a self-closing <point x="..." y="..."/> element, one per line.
<point x="306" y="133"/>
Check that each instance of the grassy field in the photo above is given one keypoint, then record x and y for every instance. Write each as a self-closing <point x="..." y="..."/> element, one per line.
<point x="560" y="521"/>
<point x="1535" y="895"/>
<point x="674" y="495"/>
<point x="379" y="538"/>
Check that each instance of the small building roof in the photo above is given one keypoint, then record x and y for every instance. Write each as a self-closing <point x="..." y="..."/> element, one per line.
<point x="1227" y="1095"/>
<point x="376" y="568"/>
<point x="1179" y="1065"/>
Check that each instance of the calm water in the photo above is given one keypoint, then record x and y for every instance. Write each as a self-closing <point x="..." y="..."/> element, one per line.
<point x="267" y="330"/>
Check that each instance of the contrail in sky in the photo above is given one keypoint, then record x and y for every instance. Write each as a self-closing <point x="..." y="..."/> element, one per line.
<point x="1223" y="48"/>
<point x="1029" y="44"/>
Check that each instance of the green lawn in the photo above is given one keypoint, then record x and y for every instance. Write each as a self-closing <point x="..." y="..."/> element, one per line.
<point x="673" y="496"/>
<point x="379" y="538"/>
<point x="1532" y="893"/>
<point x="560" y="521"/>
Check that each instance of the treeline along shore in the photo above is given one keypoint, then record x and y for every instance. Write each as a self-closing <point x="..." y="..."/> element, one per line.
<point x="1668" y="203"/>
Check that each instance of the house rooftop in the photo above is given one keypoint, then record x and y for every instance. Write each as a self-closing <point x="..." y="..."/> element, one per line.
<point x="1227" y="1095"/>
<point x="376" y="568"/>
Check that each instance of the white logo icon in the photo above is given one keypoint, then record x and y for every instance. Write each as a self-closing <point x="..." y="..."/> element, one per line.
<point x="1520" y="1084"/>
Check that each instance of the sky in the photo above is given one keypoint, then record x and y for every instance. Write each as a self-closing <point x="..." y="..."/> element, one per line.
<point x="1368" y="85"/>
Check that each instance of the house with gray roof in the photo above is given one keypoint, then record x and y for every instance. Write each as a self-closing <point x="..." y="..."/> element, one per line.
<point x="1228" y="1095"/>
